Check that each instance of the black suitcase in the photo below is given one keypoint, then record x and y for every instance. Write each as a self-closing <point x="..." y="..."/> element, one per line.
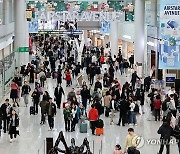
<point x="99" y="123"/>
<point x="32" y="110"/>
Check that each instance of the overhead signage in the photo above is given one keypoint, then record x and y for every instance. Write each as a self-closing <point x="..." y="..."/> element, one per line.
<point x="169" y="44"/>
<point x="80" y="16"/>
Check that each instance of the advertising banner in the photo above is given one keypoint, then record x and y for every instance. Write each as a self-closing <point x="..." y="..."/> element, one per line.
<point x="169" y="34"/>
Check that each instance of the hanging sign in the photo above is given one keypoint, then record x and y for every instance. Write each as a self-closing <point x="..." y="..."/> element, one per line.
<point x="80" y="16"/>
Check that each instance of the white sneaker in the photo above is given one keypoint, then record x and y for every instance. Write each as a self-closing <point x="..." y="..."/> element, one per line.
<point x="136" y="124"/>
<point x="11" y="140"/>
<point x="49" y="129"/>
<point x="130" y="124"/>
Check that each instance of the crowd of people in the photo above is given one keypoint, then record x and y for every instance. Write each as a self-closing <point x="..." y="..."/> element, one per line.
<point x="102" y="91"/>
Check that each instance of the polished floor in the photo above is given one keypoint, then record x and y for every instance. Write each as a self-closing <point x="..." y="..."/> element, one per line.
<point x="32" y="134"/>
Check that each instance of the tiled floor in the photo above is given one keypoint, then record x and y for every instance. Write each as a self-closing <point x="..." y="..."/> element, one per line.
<point x="33" y="135"/>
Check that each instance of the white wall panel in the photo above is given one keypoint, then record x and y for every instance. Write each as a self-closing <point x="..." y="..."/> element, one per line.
<point x="126" y="29"/>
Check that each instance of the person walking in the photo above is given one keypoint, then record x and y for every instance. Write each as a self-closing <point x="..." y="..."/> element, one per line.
<point x="13" y="125"/>
<point x="126" y="66"/>
<point x="92" y="73"/>
<point x="51" y="112"/>
<point x="111" y="73"/>
<point x="25" y="92"/>
<point x="133" y="79"/>
<point x="131" y="60"/>
<point x="68" y="78"/>
<point x="172" y="105"/>
<point x="31" y="76"/>
<point x="14" y="91"/>
<point x="124" y="107"/>
<point x="15" y="107"/>
<point x="165" y="131"/>
<point x="74" y="120"/>
<point x="132" y="115"/>
<point x="93" y="117"/>
<point x="129" y="138"/>
<point x="43" y="105"/>
<point x="121" y="67"/>
<point x="85" y="95"/>
<point x="42" y="77"/>
<point x="107" y="100"/>
<point x="67" y="117"/>
<point x="112" y="107"/>
<point x="157" y="107"/>
<point x="58" y="92"/>
<point x="36" y="98"/>
<point x="6" y="110"/>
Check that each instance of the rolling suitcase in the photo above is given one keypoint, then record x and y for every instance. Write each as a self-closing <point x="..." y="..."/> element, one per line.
<point x="99" y="123"/>
<point x="99" y="131"/>
<point x="32" y="110"/>
<point x="83" y="127"/>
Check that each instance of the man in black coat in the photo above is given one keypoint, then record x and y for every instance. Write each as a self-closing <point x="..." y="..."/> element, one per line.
<point x="147" y="83"/>
<point x="6" y="109"/>
<point x="51" y="112"/>
<point x="165" y="131"/>
<point x="133" y="79"/>
<point x="98" y="84"/>
<point x="85" y="95"/>
<point x="58" y="92"/>
<point x="131" y="60"/>
<point x="124" y="107"/>
<point x="92" y="74"/>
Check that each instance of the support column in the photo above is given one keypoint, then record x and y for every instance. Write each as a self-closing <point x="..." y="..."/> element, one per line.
<point x="139" y="34"/>
<point x="114" y="38"/>
<point x="85" y="37"/>
<point x="21" y="32"/>
<point x="124" y="49"/>
<point x="6" y="11"/>
<point x="154" y="12"/>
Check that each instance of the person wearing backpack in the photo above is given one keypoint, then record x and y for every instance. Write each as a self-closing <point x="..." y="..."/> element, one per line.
<point x="165" y="106"/>
<point x="165" y="131"/>
<point x="157" y="107"/>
